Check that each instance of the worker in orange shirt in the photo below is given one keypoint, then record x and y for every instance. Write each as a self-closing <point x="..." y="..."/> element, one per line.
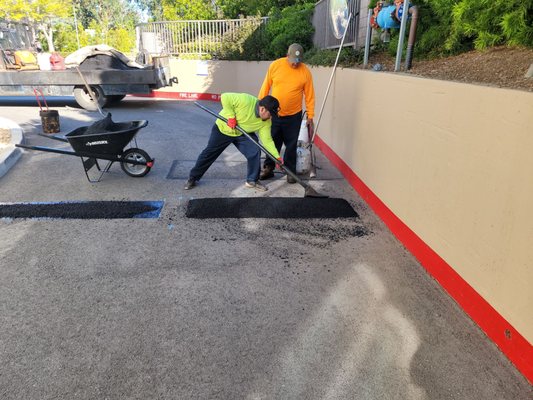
<point x="289" y="80"/>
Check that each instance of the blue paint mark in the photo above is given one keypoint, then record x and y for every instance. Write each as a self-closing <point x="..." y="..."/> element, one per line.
<point x="157" y="207"/>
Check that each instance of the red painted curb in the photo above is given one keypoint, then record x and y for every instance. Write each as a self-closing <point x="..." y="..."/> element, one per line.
<point x="508" y="339"/>
<point x="182" y="96"/>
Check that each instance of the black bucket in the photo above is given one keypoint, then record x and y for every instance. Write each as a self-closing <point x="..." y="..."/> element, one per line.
<point x="50" y="121"/>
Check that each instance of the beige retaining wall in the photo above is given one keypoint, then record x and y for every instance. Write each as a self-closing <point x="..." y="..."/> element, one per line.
<point x="452" y="161"/>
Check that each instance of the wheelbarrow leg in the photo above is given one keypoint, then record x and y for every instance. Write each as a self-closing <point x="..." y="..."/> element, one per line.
<point x="90" y="162"/>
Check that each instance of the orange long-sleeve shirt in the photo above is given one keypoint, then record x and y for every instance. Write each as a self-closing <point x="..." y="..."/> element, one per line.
<point x="289" y="85"/>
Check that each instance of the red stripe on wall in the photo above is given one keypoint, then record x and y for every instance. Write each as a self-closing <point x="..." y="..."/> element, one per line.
<point x="182" y="96"/>
<point x="507" y="338"/>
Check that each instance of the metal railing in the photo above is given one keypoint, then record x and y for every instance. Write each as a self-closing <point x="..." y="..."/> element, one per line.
<point x="192" y="37"/>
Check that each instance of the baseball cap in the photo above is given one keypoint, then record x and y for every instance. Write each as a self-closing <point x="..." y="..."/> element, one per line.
<point x="271" y="104"/>
<point x="295" y="53"/>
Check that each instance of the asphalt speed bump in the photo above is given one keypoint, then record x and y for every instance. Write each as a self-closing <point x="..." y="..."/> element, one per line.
<point x="83" y="210"/>
<point x="270" y="207"/>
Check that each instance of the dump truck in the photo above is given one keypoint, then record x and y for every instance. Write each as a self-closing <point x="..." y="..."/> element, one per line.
<point x="106" y="72"/>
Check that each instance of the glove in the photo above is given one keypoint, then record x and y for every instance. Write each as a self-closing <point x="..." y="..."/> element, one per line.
<point x="280" y="163"/>
<point x="232" y="123"/>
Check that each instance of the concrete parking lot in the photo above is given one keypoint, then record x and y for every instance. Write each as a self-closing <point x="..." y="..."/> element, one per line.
<point x="180" y="308"/>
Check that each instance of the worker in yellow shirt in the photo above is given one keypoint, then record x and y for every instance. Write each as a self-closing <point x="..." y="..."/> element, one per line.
<point x="289" y="80"/>
<point x="252" y="115"/>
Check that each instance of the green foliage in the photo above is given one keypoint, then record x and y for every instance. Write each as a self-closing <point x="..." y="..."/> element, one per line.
<point x="291" y="25"/>
<point x="237" y="8"/>
<point x="488" y="23"/>
<point x="41" y="15"/>
<point x="434" y="26"/>
<point x="188" y="10"/>
<point x="65" y="39"/>
<point x="448" y="27"/>
<point x="111" y="22"/>
<point x="152" y="7"/>
<point x="249" y="43"/>
<point x="517" y="26"/>
<point x="122" y="40"/>
<point x="37" y="11"/>
<point x="347" y="58"/>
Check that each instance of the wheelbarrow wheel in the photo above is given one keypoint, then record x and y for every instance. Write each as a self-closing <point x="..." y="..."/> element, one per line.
<point x="135" y="170"/>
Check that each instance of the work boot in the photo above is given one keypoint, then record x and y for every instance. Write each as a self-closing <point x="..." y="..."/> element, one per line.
<point x="190" y="184"/>
<point x="290" y="179"/>
<point x="256" y="185"/>
<point x="267" y="173"/>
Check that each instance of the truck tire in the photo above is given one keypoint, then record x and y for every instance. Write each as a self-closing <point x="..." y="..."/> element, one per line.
<point x="84" y="100"/>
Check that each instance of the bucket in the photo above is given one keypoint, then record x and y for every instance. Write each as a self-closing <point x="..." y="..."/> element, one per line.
<point x="50" y="121"/>
<point x="303" y="159"/>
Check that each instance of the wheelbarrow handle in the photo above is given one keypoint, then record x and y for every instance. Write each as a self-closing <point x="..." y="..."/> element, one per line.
<point x="278" y="163"/>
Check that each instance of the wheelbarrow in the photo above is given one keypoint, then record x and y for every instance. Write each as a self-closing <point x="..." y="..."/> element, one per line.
<point x="104" y="140"/>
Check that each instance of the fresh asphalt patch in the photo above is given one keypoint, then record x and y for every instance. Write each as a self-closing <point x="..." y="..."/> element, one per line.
<point x="270" y="207"/>
<point x="83" y="210"/>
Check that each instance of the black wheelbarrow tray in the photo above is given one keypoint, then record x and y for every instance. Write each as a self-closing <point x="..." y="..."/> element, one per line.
<point x="105" y="140"/>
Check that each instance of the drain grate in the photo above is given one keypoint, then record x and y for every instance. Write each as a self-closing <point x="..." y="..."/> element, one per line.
<point x="83" y="210"/>
<point x="270" y="207"/>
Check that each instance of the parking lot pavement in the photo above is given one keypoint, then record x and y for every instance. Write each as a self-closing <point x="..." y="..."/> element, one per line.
<point x="181" y="308"/>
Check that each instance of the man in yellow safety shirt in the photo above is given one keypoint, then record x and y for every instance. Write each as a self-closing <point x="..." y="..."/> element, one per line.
<point x="252" y="115"/>
<point x="288" y="80"/>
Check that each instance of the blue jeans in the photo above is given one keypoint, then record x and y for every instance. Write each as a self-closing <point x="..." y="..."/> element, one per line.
<point x="217" y="144"/>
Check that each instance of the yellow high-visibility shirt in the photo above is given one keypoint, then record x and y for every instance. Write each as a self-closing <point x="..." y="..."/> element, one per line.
<point x="289" y="85"/>
<point x="242" y="107"/>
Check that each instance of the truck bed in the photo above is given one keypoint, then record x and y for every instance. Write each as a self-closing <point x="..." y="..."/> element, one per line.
<point x="70" y="77"/>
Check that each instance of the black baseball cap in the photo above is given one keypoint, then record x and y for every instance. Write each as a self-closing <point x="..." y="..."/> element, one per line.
<point x="271" y="104"/>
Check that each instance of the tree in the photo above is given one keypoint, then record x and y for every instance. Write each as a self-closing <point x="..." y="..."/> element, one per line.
<point x="106" y="15"/>
<point x="209" y="9"/>
<point x="236" y="8"/>
<point x="41" y="15"/>
<point x="153" y="7"/>
<point x="188" y="9"/>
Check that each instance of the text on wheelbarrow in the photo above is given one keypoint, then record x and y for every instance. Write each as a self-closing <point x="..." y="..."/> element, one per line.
<point x="96" y="143"/>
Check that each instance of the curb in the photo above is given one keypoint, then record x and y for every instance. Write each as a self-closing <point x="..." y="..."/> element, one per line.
<point x="10" y="155"/>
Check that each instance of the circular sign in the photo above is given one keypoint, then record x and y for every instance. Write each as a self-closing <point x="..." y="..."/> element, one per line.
<point x="339" y="14"/>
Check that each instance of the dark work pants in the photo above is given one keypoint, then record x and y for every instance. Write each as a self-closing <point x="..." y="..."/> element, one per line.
<point x="217" y="144"/>
<point x="285" y="130"/>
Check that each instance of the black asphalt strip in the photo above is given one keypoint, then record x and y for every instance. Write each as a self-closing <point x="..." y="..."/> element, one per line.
<point x="269" y="207"/>
<point x="83" y="210"/>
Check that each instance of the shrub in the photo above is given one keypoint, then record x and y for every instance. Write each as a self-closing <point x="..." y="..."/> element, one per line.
<point x="248" y="43"/>
<point x="291" y="25"/>
<point x="488" y="23"/>
<point x="347" y="58"/>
